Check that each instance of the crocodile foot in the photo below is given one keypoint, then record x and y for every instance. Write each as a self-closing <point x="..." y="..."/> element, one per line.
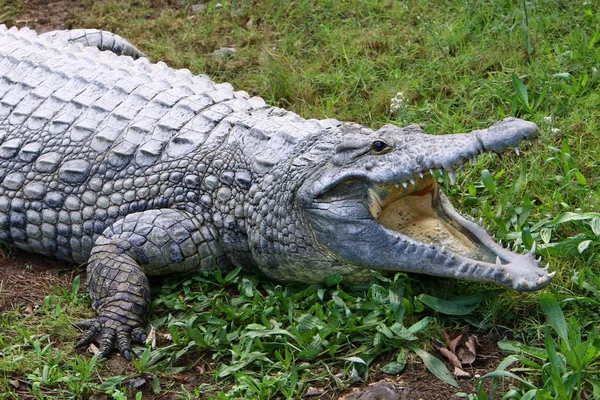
<point x="110" y="334"/>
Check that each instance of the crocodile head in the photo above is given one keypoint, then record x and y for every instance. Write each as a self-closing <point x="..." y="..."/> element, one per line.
<point x="376" y="205"/>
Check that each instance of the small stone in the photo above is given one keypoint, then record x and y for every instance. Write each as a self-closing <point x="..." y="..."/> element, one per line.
<point x="137" y="383"/>
<point x="198" y="8"/>
<point x="313" y="391"/>
<point x="218" y="5"/>
<point x="224" y="52"/>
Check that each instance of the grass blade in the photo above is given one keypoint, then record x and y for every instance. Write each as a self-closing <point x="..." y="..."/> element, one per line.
<point x="555" y="316"/>
<point x="436" y="367"/>
<point x="445" y="306"/>
<point x="556" y="365"/>
<point x="521" y="91"/>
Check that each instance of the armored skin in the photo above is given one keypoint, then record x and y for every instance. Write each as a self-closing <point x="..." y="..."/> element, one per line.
<point x="140" y="170"/>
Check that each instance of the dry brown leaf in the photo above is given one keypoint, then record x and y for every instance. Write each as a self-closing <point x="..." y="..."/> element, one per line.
<point x="472" y="344"/>
<point x="151" y="338"/>
<point x="200" y="369"/>
<point x="448" y="354"/>
<point x="451" y="357"/>
<point x="15" y="383"/>
<point x="459" y="373"/>
<point x="92" y="348"/>
<point x="452" y="343"/>
<point x="466" y="356"/>
<point x="313" y="391"/>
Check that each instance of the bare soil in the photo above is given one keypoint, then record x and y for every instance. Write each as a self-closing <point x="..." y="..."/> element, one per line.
<point x="48" y="15"/>
<point x="25" y="280"/>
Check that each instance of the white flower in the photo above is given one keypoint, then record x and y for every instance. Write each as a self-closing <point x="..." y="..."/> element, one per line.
<point x="397" y="103"/>
<point x="548" y="119"/>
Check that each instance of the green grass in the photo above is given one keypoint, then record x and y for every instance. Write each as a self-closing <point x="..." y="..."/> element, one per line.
<point x="9" y="9"/>
<point x="459" y="66"/>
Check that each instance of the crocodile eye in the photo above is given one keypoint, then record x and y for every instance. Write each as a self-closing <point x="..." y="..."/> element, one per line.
<point x="379" y="145"/>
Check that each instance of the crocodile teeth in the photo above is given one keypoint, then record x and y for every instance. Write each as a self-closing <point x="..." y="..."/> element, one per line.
<point x="498" y="261"/>
<point x="431" y="171"/>
<point x="412" y="181"/>
<point x="539" y="259"/>
<point x="405" y="184"/>
<point x="480" y="222"/>
<point x="397" y="185"/>
<point x="421" y="175"/>
<point x="517" y="152"/>
<point x="532" y="251"/>
<point x="452" y="178"/>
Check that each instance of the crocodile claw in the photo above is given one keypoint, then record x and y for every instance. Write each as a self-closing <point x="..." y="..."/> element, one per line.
<point x="110" y="335"/>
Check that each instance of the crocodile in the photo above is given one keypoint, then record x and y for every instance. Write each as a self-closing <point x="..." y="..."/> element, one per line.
<point x="141" y="170"/>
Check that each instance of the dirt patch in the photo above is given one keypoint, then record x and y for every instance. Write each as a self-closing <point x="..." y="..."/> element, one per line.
<point x="25" y="279"/>
<point x="48" y="15"/>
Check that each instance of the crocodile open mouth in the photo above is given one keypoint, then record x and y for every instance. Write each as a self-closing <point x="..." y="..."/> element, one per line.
<point x="369" y="214"/>
<point x="416" y="210"/>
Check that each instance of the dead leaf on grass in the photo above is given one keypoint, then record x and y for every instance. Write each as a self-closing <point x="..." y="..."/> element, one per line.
<point x="459" y="373"/>
<point x="448" y="354"/>
<point x="468" y="353"/>
<point x="472" y="344"/>
<point x="452" y="343"/>
<point x="200" y="369"/>
<point x="458" y="354"/>
<point x="151" y="338"/>
<point x="92" y="348"/>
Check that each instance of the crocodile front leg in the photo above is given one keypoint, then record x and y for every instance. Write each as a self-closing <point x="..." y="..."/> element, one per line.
<point x="121" y="296"/>
<point x="154" y="242"/>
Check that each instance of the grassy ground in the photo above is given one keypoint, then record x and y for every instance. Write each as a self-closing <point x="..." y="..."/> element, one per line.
<point x="453" y="67"/>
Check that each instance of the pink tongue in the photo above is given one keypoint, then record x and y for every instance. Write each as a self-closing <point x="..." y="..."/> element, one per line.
<point x="422" y="192"/>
